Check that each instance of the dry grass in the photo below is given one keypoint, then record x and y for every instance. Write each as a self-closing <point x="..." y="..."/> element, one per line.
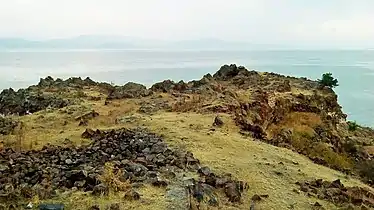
<point x="112" y="179"/>
<point x="188" y="104"/>
<point x="55" y="126"/>
<point x="151" y="199"/>
<point x="255" y="162"/>
<point x="301" y="122"/>
<point x="267" y="169"/>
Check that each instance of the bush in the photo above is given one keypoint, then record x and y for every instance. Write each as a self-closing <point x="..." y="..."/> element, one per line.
<point x="352" y="125"/>
<point x="328" y="81"/>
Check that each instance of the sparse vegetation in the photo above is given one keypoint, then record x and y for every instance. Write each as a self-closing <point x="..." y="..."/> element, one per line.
<point x="352" y="125"/>
<point x="328" y="80"/>
<point x="367" y="170"/>
<point x="187" y="124"/>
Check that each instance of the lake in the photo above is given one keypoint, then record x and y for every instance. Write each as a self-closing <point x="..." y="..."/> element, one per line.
<point x="353" y="69"/>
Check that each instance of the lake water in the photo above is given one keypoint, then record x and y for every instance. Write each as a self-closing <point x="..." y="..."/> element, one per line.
<point x="354" y="69"/>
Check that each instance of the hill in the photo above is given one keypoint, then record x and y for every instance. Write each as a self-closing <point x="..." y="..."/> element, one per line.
<point x="237" y="139"/>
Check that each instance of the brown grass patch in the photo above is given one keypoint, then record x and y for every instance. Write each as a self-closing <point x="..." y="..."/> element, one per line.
<point x="257" y="163"/>
<point x="302" y="122"/>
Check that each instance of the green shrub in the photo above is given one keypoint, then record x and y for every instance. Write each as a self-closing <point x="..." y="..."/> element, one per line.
<point x="352" y="125"/>
<point x="328" y="81"/>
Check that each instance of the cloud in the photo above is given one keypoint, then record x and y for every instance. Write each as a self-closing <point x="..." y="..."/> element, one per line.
<point x="266" y="21"/>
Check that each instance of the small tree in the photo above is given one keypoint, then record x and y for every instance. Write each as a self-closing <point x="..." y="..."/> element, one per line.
<point x="328" y="81"/>
<point x="352" y="125"/>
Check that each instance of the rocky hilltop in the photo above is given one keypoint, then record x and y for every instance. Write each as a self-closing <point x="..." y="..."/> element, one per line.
<point x="81" y="136"/>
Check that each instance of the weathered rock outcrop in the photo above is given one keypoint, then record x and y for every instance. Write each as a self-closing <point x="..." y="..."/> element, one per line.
<point x="129" y="90"/>
<point x="337" y="193"/>
<point x="24" y="101"/>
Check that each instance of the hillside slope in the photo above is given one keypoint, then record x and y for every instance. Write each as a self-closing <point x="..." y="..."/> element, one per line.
<point x="271" y="132"/>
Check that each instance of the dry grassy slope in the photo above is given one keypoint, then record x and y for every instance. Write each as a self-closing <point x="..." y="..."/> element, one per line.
<point x="268" y="169"/>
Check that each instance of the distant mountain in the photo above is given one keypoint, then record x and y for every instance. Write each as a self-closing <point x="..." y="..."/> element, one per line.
<point x="120" y="42"/>
<point x="81" y="42"/>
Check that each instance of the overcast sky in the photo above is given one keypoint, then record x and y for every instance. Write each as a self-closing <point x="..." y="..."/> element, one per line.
<point x="316" y="22"/>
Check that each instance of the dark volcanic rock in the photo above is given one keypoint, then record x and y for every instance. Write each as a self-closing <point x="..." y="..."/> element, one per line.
<point x="217" y="121"/>
<point x="87" y="116"/>
<point x="337" y="193"/>
<point x="141" y="156"/>
<point x="100" y="190"/>
<point x="24" y="101"/>
<point x="132" y="195"/>
<point x="129" y="90"/>
<point x="88" y="133"/>
<point x="227" y="72"/>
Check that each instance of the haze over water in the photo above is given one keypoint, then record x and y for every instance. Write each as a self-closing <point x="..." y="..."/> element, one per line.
<point x="354" y="69"/>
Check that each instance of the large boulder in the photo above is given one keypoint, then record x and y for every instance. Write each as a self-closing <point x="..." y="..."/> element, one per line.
<point x="129" y="90"/>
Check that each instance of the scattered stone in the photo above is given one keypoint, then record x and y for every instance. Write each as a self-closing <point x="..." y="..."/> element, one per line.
<point x="51" y="207"/>
<point x="114" y="206"/>
<point x="88" y="133"/>
<point x="83" y="123"/>
<point x="94" y="207"/>
<point x="337" y="193"/>
<point x="132" y="195"/>
<point x="218" y="121"/>
<point x="317" y="204"/>
<point x="142" y="157"/>
<point x="232" y="191"/>
<point x="204" y="171"/>
<point x="100" y="190"/>
<point x="256" y="198"/>
<point x="88" y="116"/>
<point x="159" y="183"/>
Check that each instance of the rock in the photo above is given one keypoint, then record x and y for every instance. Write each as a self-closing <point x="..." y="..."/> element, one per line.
<point x="217" y="121"/>
<point x="337" y="193"/>
<point x="100" y="190"/>
<point x="129" y="90"/>
<point x="83" y="123"/>
<point x="88" y="133"/>
<point x="205" y="171"/>
<point x="132" y="195"/>
<point x="159" y="183"/>
<point x="94" y="207"/>
<point x="227" y="72"/>
<point x="25" y="101"/>
<point x="317" y="204"/>
<point x="51" y="207"/>
<point x="68" y="161"/>
<point x="114" y="206"/>
<point x="87" y="116"/>
<point x="142" y="157"/>
<point x="203" y="193"/>
<point x="164" y="86"/>
<point x="232" y="191"/>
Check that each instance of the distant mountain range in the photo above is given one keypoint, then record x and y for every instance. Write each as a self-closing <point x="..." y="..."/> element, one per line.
<point x="118" y="42"/>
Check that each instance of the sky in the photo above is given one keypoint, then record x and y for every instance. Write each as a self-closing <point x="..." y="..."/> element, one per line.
<point x="292" y="22"/>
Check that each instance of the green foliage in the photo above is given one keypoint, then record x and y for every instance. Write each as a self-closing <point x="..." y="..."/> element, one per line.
<point x="328" y="81"/>
<point x="352" y="125"/>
